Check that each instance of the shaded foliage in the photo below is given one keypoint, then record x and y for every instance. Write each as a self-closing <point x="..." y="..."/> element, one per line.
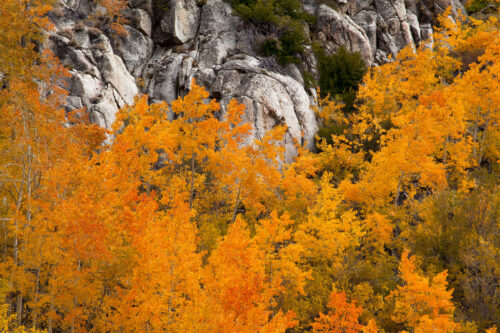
<point x="287" y="19"/>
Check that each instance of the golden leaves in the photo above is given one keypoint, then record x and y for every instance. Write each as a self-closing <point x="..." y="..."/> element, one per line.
<point x="342" y="318"/>
<point x="422" y="304"/>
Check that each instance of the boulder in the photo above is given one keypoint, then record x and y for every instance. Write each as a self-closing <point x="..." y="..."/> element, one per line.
<point x="226" y="83"/>
<point x="76" y="59"/>
<point x="426" y="31"/>
<point x="343" y="31"/>
<point x="179" y="23"/>
<point x="393" y="26"/>
<point x="414" y="27"/>
<point x="134" y="48"/>
<point x="142" y="21"/>
<point x="270" y="98"/>
<point x="186" y="73"/>
<point x="165" y="82"/>
<point x="217" y="35"/>
<point x="73" y="103"/>
<point x="86" y="86"/>
<point x="114" y="72"/>
<point x="79" y="8"/>
<point x="146" y="5"/>
<point x="356" y="6"/>
<point x="441" y="5"/>
<point x="271" y="105"/>
<point x="104" y="111"/>
<point x="367" y="20"/>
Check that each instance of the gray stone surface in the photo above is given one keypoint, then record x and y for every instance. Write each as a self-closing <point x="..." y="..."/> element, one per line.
<point x="164" y="50"/>
<point x="180" y="22"/>
<point x="142" y="21"/>
<point x="134" y="48"/>
<point x="341" y="30"/>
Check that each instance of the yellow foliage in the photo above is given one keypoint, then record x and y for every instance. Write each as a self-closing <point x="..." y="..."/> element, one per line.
<point x="328" y="230"/>
<point x="184" y="225"/>
<point x="343" y="317"/>
<point x="421" y="304"/>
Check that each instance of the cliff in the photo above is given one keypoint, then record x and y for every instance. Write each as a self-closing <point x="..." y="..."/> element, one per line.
<point x="166" y="46"/>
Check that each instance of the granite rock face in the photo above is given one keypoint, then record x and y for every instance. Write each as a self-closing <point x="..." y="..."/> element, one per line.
<point x="165" y="48"/>
<point x="180" y="22"/>
<point x="340" y="30"/>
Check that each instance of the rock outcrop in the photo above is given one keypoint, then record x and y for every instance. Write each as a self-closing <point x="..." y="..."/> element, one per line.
<point x="164" y="49"/>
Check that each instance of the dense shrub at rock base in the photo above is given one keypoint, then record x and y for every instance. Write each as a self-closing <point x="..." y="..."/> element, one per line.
<point x="340" y="75"/>
<point x="286" y="18"/>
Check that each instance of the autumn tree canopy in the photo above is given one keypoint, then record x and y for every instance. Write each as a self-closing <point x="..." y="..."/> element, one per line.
<point x="181" y="225"/>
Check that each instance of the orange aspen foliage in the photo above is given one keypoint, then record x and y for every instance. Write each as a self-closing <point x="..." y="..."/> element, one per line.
<point x="183" y="225"/>
<point x="237" y="292"/>
<point x="329" y="229"/>
<point x="340" y="156"/>
<point x="111" y="12"/>
<point x="203" y="160"/>
<point x="420" y="128"/>
<point x="250" y="172"/>
<point x="421" y="304"/>
<point x="21" y="26"/>
<point x="89" y="251"/>
<point x="342" y="317"/>
<point x="32" y="158"/>
<point x="371" y="327"/>
<point x="438" y="130"/>
<point x="282" y="255"/>
<point x="298" y="185"/>
<point x="195" y="144"/>
<point x="166" y="271"/>
<point x="224" y="174"/>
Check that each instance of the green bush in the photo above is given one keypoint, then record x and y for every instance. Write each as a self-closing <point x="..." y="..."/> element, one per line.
<point x="255" y="11"/>
<point x="286" y="47"/>
<point x="271" y="11"/>
<point x="288" y="19"/>
<point x="474" y="6"/>
<point x="309" y="80"/>
<point x="340" y="73"/>
<point x="270" y="47"/>
<point x="326" y="132"/>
